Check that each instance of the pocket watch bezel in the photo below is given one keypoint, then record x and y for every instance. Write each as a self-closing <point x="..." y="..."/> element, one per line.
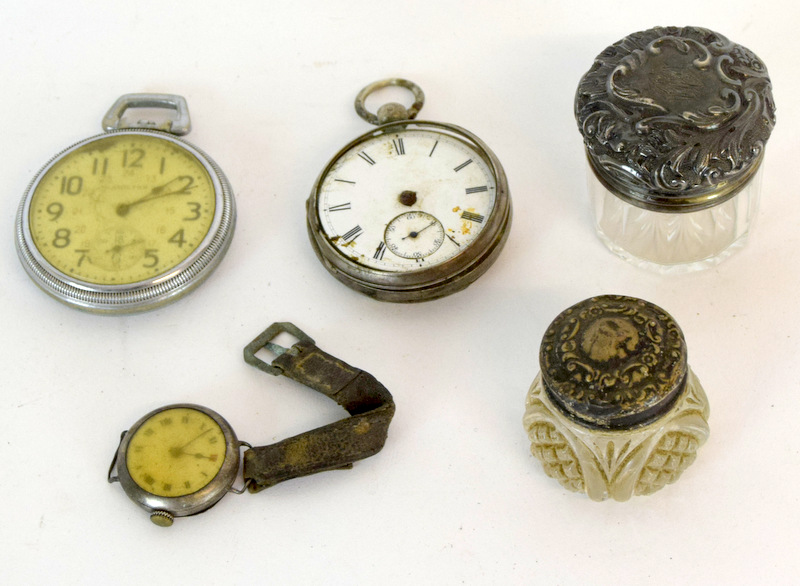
<point x="426" y="283"/>
<point x="142" y="295"/>
<point x="189" y="504"/>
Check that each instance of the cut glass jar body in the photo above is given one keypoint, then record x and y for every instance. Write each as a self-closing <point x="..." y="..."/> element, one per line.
<point x="673" y="242"/>
<point x="617" y="464"/>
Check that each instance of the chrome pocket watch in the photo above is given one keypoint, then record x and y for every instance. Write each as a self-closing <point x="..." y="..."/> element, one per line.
<point x="180" y="460"/>
<point x="411" y="211"/>
<point x="130" y="219"/>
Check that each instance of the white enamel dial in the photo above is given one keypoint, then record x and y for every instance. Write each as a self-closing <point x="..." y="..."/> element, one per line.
<point x="406" y="200"/>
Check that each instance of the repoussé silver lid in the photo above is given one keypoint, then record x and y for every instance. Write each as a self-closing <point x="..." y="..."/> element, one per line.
<point x="613" y="362"/>
<point x="675" y="119"/>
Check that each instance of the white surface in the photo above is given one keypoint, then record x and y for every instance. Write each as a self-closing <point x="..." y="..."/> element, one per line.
<point x="455" y="496"/>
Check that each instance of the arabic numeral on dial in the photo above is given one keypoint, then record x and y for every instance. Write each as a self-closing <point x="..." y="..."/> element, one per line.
<point x="71" y="185"/>
<point x="132" y="158"/>
<point x="188" y="183"/>
<point x="151" y="253"/>
<point x="61" y="239"/>
<point x="178" y="238"/>
<point x="100" y="166"/>
<point x="55" y="209"/>
<point x="83" y="252"/>
<point x="195" y="209"/>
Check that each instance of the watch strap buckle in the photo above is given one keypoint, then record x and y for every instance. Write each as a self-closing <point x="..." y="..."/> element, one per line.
<point x="330" y="447"/>
<point x="264" y="341"/>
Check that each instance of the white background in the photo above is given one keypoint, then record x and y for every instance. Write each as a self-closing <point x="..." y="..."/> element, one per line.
<point x="455" y="497"/>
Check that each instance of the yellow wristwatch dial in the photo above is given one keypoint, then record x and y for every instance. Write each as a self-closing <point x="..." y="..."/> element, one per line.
<point x="122" y="209"/>
<point x="176" y="452"/>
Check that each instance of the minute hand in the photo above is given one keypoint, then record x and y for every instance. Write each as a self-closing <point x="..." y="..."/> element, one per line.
<point x="179" y="450"/>
<point x="159" y="191"/>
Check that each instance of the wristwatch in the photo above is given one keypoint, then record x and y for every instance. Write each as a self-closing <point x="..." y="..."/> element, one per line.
<point x="181" y="459"/>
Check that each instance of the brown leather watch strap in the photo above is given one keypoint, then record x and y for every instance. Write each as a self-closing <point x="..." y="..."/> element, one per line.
<point x="330" y="447"/>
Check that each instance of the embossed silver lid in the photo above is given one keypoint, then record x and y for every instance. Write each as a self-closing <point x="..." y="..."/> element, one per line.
<point x="675" y="119"/>
<point x="613" y="362"/>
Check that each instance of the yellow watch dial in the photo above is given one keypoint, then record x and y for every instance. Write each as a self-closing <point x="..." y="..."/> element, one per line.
<point x="122" y="209"/>
<point x="176" y="452"/>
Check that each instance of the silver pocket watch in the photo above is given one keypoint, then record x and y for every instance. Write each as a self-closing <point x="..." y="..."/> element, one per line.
<point x="412" y="210"/>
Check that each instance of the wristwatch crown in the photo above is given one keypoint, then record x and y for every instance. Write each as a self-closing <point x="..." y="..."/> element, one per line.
<point x="162" y="518"/>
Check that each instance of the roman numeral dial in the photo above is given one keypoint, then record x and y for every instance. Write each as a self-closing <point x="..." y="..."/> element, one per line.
<point x="405" y="201"/>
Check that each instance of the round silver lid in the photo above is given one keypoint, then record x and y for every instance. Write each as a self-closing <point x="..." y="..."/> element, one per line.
<point x="613" y="362"/>
<point x="675" y="119"/>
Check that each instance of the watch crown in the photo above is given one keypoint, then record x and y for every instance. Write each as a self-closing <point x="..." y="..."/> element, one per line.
<point x="162" y="518"/>
<point x="392" y="112"/>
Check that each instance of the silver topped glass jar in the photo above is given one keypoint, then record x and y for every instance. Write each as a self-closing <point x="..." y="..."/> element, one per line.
<point x="615" y="411"/>
<point x="675" y="121"/>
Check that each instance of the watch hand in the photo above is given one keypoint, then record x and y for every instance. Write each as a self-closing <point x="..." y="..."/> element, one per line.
<point x="212" y="457"/>
<point x="415" y="234"/>
<point x="194" y="440"/>
<point x="117" y="248"/>
<point x="178" y="451"/>
<point x="156" y="192"/>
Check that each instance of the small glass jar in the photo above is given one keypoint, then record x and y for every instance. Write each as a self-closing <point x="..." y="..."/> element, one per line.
<point x="615" y="411"/>
<point x="675" y="121"/>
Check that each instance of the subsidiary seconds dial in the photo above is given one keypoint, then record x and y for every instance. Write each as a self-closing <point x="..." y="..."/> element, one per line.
<point x="411" y="211"/>
<point x="404" y="235"/>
